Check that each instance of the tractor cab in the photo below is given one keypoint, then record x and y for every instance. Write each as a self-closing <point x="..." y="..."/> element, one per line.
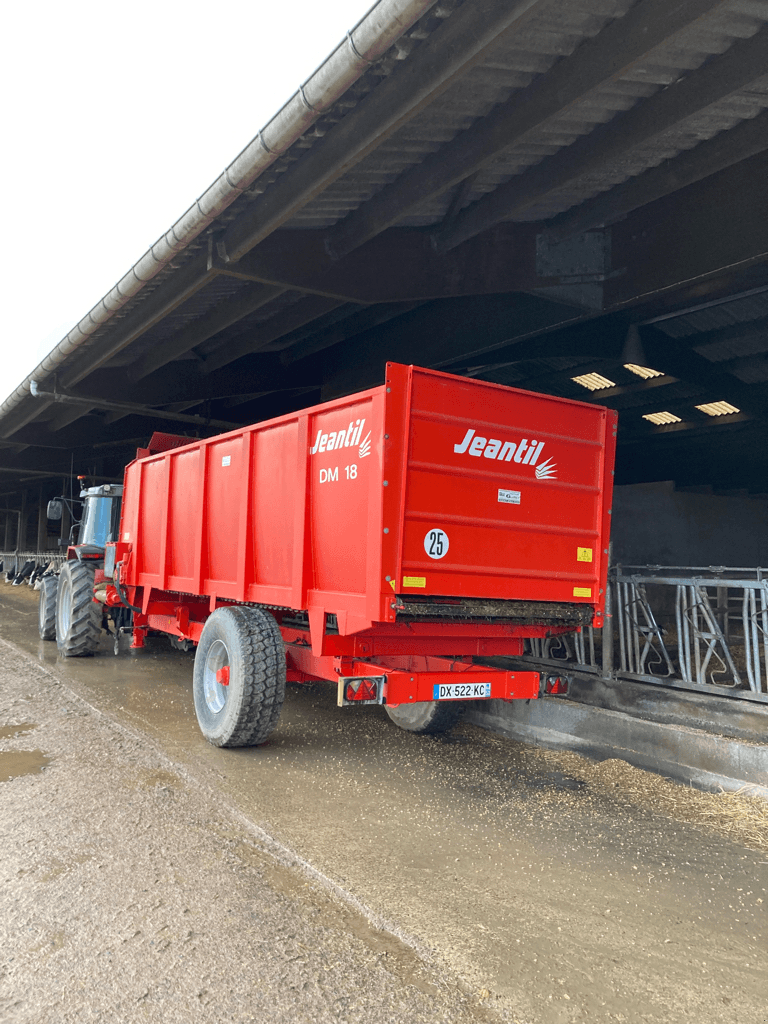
<point x="101" y="518"/>
<point x="99" y="522"/>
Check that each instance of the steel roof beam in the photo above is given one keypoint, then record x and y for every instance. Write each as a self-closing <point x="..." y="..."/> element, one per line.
<point x="460" y="42"/>
<point x="65" y="416"/>
<point x="363" y="321"/>
<point x="256" y="338"/>
<point x="29" y="473"/>
<point x="714" y="227"/>
<point x="167" y="296"/>
<point x="243" y="303"/>
<point x="237" y="400"/>
<point x="21" y="415"/>
<point x="434" y="334"/>
<point x="132" y="409"/>
<point x="720" y="77"/>
<point x="595" y="63"/>
<point x="398" y="266"/>
<point x="746" y="140"/>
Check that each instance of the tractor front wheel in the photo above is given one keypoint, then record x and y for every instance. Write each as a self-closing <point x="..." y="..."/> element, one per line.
<point x="46" y="613"/>
<point x="78" y="615"/>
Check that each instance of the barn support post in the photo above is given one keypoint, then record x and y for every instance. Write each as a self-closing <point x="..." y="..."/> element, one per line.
<point x="42" y="522"/>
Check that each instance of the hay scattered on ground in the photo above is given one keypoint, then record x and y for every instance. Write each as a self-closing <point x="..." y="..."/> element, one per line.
<point x="741" y="816"/>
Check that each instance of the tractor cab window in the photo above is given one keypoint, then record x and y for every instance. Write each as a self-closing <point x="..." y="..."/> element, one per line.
<point x="101" y="516"/>
<point x="95" y="526"/>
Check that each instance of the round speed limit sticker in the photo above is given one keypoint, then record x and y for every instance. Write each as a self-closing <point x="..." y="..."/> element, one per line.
<point x="436" y="543"/>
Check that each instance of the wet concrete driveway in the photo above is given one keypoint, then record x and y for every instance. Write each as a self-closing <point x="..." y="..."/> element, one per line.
<point x="346" y="870"/>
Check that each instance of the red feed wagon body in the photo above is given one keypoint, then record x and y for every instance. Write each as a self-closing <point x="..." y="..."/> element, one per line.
<point x="392" y="535"/>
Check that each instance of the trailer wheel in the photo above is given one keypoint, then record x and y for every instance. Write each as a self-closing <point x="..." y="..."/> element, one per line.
<point x="239" y="677"/>
<point x="78" y="616"/>
<point x="46" y="614"/>
<point x="430" y="717"/>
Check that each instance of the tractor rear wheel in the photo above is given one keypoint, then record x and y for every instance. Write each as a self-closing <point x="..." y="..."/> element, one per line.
<point x="239" y="677"/>
<point x="78" y="615"/>
<point x="427" y="717"/>
<point x="46" y="614"/>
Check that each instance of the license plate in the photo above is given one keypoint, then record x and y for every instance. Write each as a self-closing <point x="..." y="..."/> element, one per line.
<point x="461" y="691"/>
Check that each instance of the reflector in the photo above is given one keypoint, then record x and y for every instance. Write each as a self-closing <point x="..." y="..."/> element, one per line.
<point x="556" y="685"/>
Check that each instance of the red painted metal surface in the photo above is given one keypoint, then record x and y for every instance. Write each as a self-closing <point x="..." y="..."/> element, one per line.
<point x="428" y="486"/>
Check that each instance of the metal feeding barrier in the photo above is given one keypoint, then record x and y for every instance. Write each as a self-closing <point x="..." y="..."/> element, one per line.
<point x="703" y="629"/>
<point x="12" y="561"/>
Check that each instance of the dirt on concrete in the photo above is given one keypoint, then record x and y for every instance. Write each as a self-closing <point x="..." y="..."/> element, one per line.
<point x="129" y="896"/>
<point x="347" y="870"/>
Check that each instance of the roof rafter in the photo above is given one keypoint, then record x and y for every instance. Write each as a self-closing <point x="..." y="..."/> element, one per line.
<point x="721" y="76"/>
<point x="256" y="338"/>
<point x="597" y="62"/>
<point x="461" y="42"/>
<point x="745" y="140"/>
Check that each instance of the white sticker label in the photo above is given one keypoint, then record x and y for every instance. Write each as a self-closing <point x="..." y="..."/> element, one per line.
<point x="226" y="460"/>
<point x="509" y="497"/>
<point x="436" y="543"/>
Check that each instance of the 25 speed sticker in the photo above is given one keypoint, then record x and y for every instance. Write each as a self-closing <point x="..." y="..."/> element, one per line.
<point x="436" y="543"/>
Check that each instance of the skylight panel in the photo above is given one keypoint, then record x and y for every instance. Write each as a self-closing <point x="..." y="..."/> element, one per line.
<point x="659" y="418"/>
<point x="718" y="408"/>
<point x="594" y="381"/>
<point x="642" y="371"/>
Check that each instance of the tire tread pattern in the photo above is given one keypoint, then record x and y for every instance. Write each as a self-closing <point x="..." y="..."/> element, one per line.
<point x="49" y="586"/>
<point x="262" y="656"/>
<point x="264" y="682"/>
<point x="438" y="718"/>
<point x="82" y="636"/>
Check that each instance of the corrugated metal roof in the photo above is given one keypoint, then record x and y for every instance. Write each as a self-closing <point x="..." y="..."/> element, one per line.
<point x="510" y="69"/>
<point x="716" y="318"/>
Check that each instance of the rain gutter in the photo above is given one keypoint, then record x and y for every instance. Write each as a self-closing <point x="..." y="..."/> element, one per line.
<point x="363" y="45"/>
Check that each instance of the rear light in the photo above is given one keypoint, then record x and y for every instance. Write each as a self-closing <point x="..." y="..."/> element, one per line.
<point x="556" y="685"/>
<point x="361" y="690"/>
<point x="364" y="689"/>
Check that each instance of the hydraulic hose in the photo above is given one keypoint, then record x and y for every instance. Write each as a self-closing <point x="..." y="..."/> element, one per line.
<point x="124" y="600"/>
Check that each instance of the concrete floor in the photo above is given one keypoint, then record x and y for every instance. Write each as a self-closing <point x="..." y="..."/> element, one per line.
<point x="345" y="871"/>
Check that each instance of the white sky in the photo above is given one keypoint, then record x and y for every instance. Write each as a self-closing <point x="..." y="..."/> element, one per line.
<point x="114" y="118"/>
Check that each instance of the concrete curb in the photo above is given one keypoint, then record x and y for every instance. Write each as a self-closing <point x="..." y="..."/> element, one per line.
<point x="702" y="759"/>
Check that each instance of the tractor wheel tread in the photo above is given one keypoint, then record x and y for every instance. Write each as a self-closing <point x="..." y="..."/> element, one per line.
<point x="47" y="609"/>
<point x="80" y="635"/>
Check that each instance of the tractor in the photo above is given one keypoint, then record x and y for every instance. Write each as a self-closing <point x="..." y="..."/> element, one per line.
<point x="72" y="609"/>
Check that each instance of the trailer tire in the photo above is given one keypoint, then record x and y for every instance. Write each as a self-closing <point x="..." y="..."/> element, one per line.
<point x="78" y="615"/>
<point x="243" y="711"/>
<point x="429" y="718"/>
<point x="46" y="614"/>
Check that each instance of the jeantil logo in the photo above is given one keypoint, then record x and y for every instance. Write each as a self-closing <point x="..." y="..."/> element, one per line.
<point x="348" y="438"/>
<point x="524" y="452"/>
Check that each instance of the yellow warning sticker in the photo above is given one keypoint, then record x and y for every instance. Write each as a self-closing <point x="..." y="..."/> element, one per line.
<point x="414" y="581"/>
<point x="582" y="591"/>
<point x="392" y="584"/>
<point x="583" y="554"/>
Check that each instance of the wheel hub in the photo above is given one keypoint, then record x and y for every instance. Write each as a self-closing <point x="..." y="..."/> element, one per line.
<point x="216" y="676"/>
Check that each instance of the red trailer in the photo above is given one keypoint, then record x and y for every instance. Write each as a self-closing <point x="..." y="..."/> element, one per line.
<point x="382" y="541"/>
